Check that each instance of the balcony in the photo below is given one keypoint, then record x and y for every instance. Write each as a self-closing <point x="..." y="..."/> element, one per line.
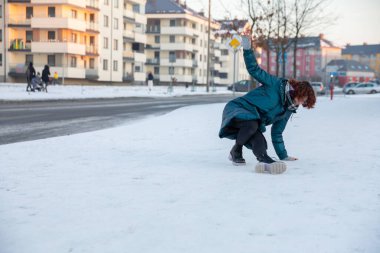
<point x="140" y="38"/>
<point x="59" y="22"/>
<point x="153" y="29"/>
<point x="18" y="21"/>
<point x="79" y="3"/>
<point x="92" y="27"/>
<point x="177" y="46"/>
<point x="177" y="30"/>
<point x="51" y="47"/>
<point x="153" y="61"/>
<point x="129" y="34"/>
<point x="93" y="4"/>
<point x="177" y="63"/>
<point x="129" y="14"/>
<point x="139" y="57"/>
<point x="19" y="45"/>
<point x="92" y="50"/>
<point x="128" y="56"/>
<point x="140" y="18"/>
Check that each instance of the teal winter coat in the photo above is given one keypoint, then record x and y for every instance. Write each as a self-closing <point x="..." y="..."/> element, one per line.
<point x="267" y="104"/>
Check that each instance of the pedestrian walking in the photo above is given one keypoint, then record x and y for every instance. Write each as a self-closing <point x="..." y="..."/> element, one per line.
<point x="30" y="74"/>
<point x="150" y="81"/>
<point x="45" y="77"/>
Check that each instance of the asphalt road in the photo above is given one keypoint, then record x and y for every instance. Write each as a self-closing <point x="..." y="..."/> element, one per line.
<point x="25" y="121"/>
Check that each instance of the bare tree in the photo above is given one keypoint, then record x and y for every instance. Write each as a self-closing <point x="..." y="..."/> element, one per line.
<point x="308" y="15"/>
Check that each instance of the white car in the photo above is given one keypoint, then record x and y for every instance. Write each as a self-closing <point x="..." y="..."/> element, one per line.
<point x="364" y="88"/>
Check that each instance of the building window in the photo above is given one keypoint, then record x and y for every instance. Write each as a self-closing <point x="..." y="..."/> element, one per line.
<point x="28" y="59"/>
<point x="1" y="59"/>
<point x="29" y="12"/>
<point x="172" y="22"/>
<point x="74" y="14"/>
<point x="1" y="11"/>
<point x="224" y="52"/>
<point x="156" y="70"/>
<point x="115" y="23"/>
<point x="114" y="65"/>
<point x="223" y="75"/>
<point x="105" y="64"/>
<point x="29" y="36"/>
<point x="106" y="2"/>
<point x="105" y="43"/>
<point x="116" y="3"/>
<point x="73" y="62"/>
<point x="115" y="45"/>
<point x="171" y="70"/>
<point x="51" y="12"/>
<point x="172" y="39"/>
<point x="51" y="35"/>
<point x="92" y="63"/>
<point x="74" y="37"/>
<point x="51" y="60"/>
<point x="136" y="8"/>
<point x="105" y="21"/>
<point x="1" y="35"/>
<point x="172" y="57"/>
<point x="156" y="39"/>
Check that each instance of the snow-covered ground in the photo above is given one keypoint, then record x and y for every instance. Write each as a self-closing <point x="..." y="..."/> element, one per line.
<point x="17" y="91"/>
<point x="164" y="184"/>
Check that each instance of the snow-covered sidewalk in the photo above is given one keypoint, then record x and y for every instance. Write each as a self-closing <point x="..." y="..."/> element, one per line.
<point x="165" y="185"/>
<point x="16" y="91"/>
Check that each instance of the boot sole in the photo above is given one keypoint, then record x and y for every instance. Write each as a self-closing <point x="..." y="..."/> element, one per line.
<point x="271" y="168"/>
<point x="236" y="164"/>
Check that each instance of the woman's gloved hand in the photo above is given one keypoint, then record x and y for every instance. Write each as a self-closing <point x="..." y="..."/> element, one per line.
<point x="290" y="158"/>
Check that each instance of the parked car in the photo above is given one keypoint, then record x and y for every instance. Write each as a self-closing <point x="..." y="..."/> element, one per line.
<point x="364" y="88"/>
<point x="347" y="86"/>
<point x="376" y="80"/>
<point x="318" y="88"/>
<point x="241" y="86"/>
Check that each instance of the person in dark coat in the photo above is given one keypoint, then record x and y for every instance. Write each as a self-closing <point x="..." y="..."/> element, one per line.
<point x="245" y="118"/>
<point x="150" y="81"/>
<point x="30" y="74"/>
<point x="45" y="77"/>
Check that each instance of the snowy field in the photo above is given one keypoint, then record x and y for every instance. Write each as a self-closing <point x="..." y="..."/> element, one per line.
<point x="17" y="91"/>
<point x="164" y="185"/>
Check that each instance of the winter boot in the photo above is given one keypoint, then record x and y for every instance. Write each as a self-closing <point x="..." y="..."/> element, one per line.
<point x="268" y="165"/>
<point x="236" y="155"/>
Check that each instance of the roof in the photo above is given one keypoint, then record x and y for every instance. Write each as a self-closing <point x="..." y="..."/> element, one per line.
<point x="169" y="7"/>
<point x="350" y="65"/>
<point x="362" y="49"/>
<point x="315" y="41"/>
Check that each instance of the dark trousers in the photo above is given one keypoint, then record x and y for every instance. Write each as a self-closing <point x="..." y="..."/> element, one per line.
<point x="249" y="133"/>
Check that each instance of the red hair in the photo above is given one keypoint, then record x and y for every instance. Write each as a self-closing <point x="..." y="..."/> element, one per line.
<point x="304" y="89"/>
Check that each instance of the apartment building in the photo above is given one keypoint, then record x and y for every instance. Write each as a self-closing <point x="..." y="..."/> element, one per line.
<point x="134" y="41"/>
<point x="177" y="38"/>
<point x="81" y="40"/>
<point x="365" y="54"/>
<point x="233" y="67"/>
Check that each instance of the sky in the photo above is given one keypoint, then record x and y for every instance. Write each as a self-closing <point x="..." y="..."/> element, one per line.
<point x="164" y="184"/>
<point x="358" y="21"/>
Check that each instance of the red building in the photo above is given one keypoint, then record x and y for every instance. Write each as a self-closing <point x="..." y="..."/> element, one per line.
<point x="313" y="53"/>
